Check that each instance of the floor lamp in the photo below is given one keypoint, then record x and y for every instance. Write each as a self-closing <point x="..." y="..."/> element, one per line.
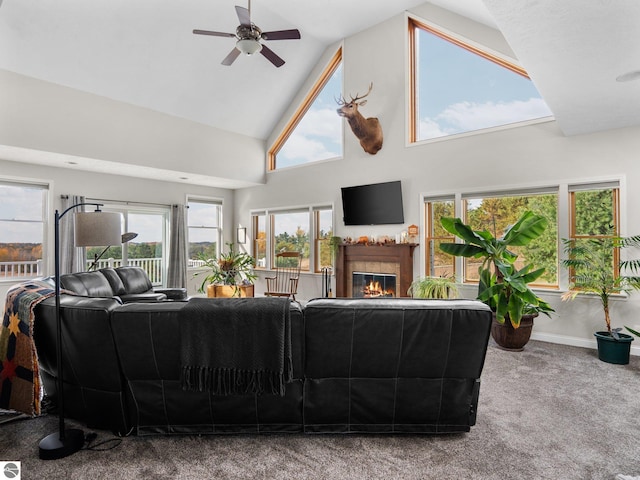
<point x="126" y="237"/>
<point x="91" y="229"/>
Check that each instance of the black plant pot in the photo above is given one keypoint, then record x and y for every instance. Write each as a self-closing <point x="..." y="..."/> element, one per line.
<point x="613" y="350"/>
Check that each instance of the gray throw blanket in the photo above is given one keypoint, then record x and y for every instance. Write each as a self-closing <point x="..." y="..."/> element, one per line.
<point x="236" y="346"/>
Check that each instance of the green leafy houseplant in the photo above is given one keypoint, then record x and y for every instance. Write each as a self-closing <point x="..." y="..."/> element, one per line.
<point x="637" y="334"/>
<point x="231" y="268"/>
<point x="592" y="269"/>
<point x="502" y="285"/>
<point x="433" y="287"/>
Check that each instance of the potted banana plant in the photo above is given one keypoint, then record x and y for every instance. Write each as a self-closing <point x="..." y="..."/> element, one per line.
<point x="591" y="271"/>
<point x="502" y="285"/>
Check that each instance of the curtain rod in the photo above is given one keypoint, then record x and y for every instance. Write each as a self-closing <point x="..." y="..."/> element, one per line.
<point x="124" y="202"/>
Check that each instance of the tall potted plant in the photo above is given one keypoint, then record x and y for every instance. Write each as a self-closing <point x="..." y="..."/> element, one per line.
<point x="502" y="285"/>
<point x="593" y="270"/>
<point x="230" y="275"/>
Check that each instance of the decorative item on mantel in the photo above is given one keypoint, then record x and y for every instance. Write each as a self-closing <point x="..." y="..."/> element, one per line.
<point x="412" y="232"/>
<point x="373" y="240"/>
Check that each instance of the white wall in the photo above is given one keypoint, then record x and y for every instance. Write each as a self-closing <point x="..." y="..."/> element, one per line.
<point x="46" y="117"/>
<point x="112" y="187"/>
<point x="527" y="155"/>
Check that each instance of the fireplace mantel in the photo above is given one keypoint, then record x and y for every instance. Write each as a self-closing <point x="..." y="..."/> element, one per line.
<point x="395" y="258"/>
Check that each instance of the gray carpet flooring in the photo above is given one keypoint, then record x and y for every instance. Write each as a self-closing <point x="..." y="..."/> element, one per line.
<point x="549" y="412"/>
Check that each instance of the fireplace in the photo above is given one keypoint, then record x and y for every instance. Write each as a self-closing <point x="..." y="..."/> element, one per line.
<point x="373" y="285"/>
<point x="388" y="259"/>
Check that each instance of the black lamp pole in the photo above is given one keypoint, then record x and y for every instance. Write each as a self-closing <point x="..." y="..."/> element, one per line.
<point x="66" y="441"/>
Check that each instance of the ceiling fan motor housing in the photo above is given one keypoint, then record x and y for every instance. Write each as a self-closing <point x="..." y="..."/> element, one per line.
<point x="245" y="32"/>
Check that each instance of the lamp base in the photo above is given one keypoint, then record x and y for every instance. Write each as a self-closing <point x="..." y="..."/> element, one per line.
<point x="52" y="448"/>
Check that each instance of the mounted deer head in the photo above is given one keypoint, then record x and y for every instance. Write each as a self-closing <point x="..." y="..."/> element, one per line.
<point x="367" y="130"/>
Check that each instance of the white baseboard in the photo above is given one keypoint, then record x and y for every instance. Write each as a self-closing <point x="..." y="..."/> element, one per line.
<point x="576" y="341"/>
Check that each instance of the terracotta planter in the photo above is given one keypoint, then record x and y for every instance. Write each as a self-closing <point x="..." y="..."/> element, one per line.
<point x="509" y="338"/>
<point x="229" y="291"/>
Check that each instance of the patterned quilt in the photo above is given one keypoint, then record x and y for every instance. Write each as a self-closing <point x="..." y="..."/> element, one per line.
<point x="19" y="377"/>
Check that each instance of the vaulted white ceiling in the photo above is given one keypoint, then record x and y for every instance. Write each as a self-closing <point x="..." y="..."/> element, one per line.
<point x="143" y="52"/>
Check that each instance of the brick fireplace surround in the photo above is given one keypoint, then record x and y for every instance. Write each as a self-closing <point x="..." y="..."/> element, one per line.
<point x="394" y="259"/>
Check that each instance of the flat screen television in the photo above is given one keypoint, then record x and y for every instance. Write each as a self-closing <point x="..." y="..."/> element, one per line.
<point x="374" y="204"/>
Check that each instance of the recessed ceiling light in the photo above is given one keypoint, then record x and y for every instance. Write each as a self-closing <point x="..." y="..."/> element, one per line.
<point x="629" y="76"/>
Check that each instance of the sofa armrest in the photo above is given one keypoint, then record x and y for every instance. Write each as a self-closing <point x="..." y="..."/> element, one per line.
<point x="143" y="297"/>
<point x="173" y="293"/>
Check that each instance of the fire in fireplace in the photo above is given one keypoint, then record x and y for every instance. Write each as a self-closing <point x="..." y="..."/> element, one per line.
<point x="372" y="285"/>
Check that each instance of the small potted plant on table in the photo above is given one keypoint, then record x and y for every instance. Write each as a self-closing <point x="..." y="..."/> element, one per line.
<point x="230" y="275"/>
<point x="503" y="286"/>
<point x="595" y="268"/>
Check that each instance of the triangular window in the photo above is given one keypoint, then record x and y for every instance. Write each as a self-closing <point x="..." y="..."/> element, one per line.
<point x="459" y="88"/>
<point x="315" y="131"/>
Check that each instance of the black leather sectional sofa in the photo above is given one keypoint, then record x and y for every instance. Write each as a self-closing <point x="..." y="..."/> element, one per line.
<point x="359" y="366"/>
<point x="126" y="284"/>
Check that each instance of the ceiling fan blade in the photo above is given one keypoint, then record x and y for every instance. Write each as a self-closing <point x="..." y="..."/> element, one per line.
<point x="213" y="34"/>
<point x="229" y="59"/>
<point x="271" y="56"/>
<point x="281" y="35"/>
<point x="243" y="16"/>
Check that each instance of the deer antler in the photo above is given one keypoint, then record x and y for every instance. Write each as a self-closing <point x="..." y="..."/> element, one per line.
<point x="340" y="101"/>
<point x="363" y="96"/>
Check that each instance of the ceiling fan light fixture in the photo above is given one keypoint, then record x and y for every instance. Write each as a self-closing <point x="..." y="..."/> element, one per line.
<point x="248" y="46"/>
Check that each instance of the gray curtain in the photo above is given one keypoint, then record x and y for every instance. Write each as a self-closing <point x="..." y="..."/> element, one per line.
<point x="72" y="258"/>
<point x="177" y="271"/>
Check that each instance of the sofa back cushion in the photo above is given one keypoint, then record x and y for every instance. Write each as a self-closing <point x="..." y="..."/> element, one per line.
<point x="393" y="365"/>
<point x="88" y="284"/>
<point x="114" y="280"/>
<point x="134" y="279"/>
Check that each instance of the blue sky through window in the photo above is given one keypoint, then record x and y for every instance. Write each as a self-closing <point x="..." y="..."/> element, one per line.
<point x="318" y="135"/>
<point x="459" y="91"/>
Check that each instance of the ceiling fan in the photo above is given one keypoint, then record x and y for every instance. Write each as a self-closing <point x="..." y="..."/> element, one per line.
<point x="248" y="37"/>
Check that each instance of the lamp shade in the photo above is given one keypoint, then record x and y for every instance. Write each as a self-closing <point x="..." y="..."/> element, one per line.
<point x="128" y="236"/>
<point x="97" y="229"/>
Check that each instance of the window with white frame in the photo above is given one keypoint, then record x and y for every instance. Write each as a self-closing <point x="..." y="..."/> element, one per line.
<point x="147" y="250"/>
<point x="204" y="220"/>
<point x="589" y="210"/>
<point x="23" y="227"/>
<point x="305" y="230"/>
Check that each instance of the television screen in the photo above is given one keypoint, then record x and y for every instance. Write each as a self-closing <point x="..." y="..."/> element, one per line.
<point x="375" y="204"/>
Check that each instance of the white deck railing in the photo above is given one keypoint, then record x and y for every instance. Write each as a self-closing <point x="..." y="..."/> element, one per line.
<point x="18" y="270"/>
<point x="31" y="269"/>
<point x="153" y="266"/>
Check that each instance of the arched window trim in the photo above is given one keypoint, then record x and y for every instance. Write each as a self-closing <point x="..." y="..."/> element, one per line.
<point x="302" y="109"/>
<point x="414" y="23"/>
